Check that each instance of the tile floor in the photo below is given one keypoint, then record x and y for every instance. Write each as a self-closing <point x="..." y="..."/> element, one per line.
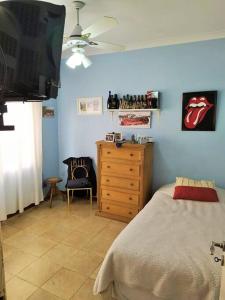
<point x="55" y="254"/>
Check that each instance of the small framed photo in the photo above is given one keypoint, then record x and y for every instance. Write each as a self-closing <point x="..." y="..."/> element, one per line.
<point x="89" y="105"/>
<point x="117" y="136"/>
<point x="109" y="137"/>
<point x="48" y="112"/>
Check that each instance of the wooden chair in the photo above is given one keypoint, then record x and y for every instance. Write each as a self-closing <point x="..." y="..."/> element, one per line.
<point x="79" y="179"/>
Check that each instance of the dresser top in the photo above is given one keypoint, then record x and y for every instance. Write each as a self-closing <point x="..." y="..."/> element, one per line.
<point x="127" y="145"/>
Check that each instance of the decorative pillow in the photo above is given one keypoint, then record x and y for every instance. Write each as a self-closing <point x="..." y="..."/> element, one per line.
<point x="196" y="190"/>
<point x="183" y="181"/>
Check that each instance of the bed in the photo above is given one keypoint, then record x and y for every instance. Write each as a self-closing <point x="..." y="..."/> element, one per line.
<point x="163" y="254"/>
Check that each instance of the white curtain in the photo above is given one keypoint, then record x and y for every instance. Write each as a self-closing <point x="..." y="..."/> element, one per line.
<point x="21" y="158"/>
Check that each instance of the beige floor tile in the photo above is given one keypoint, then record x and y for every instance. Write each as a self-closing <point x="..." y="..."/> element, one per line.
<point x="86" y="292"/>
<point x="7" y="250"/>
<point x="58" y="233"/>
<point x="72" y="222"/>
<point x="95" y="273"/>
<point x="112" y="230"/>
<point x="18" y="289"/>
<point x="8" y="276"/>
<point x="99" y="245"/>
<point x="8" y="231"/>
<point x="30" y="243"/>
<point x="39" y="246"/>
<point x="39" y="271"/>
<point x="19" y="239"/>
<point x="41" y="294"/>
<point x="40" y="228"/>
<point x="64" y="283"/>
<point x="83" y="213"/>
<point x="17" y="261"/>
<point x="77" y="239"/>
<point x="21" y="221"/>
<point x="92" y="226"/>
<point x="83" y="262"/>
<point x="61" y="254"/>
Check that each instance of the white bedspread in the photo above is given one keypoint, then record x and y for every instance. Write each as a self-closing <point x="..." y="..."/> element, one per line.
<point x="164" y="251"/>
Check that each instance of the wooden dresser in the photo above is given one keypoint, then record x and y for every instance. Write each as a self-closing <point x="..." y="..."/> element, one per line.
<point x="123" y="178"/>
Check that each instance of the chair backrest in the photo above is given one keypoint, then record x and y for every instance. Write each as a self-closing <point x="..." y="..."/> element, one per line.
<point x="84" y="162"/>
<point x="79" y="169"/>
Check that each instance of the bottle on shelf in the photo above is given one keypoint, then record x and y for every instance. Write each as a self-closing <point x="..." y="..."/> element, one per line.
<point x="113" y="103"/>
<point x="116" y="100"/>
<point x="109" y="101"/>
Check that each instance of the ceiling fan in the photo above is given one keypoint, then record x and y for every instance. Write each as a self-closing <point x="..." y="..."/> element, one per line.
<point x="79" y="39"/>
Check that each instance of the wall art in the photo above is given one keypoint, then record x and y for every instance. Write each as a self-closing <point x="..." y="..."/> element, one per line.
<point x="89" y="105"/>
<point x="135" y="119"/>
<point x="48" y="112"/>
<point x="199" y="111"/>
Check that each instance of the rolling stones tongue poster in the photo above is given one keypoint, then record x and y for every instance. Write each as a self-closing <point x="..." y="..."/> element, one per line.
<point x="199" y="111"/>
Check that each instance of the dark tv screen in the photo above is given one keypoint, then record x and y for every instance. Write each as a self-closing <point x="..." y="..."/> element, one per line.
<point x="31" y="36"/>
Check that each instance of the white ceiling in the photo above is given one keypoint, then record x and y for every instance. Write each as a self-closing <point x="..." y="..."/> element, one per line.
<point x="150" y="23"/>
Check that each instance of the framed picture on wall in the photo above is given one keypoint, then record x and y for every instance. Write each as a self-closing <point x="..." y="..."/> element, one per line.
<point x="89" y="105"/>
<point x="199" y="111"/>
<point x="48" y="112"/>
<point x="134" y="119"/>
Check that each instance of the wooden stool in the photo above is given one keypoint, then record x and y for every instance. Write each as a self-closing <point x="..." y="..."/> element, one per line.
<point x="53" y="191"/>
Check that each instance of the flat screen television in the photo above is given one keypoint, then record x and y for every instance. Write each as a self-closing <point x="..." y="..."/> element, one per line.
<point x="31" y="36"/>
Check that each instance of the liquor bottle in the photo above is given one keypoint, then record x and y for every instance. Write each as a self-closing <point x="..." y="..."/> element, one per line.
<point x="131" y="102"/>
<point x="135" y="102"/>
<point x="113" y="102"/>
<point x="116" y="100"/>
<point x="139" y="102"/>
<point x="128" y="101"/>
<point x="109" y="102"/>
<point x="142" y="101"/>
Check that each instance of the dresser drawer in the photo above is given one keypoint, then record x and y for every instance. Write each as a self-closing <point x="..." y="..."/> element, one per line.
<point x="121" y="154"/>
<point x="119" y="210"/>
<point x="131" y="184"/>
<point x="120" y="169"/>
<point x="120" y="197"/>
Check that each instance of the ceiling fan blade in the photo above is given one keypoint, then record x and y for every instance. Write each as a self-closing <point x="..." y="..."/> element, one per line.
<point x="107" y="46"/>
<point x="101" y="26"/>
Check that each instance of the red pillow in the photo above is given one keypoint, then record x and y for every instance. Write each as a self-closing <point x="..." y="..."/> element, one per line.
<point x="195" y="193"/>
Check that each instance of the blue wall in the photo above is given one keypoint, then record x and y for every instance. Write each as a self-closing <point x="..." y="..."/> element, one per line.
<point x="172" y="70"/>
<point x="50" y="143"/>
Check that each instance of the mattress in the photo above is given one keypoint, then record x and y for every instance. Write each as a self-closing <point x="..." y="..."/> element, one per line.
<point x="164" y="252"/>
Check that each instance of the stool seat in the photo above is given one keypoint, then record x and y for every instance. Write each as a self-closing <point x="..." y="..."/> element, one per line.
<point x="53" y="191"/>
<point x="53" y="180"/>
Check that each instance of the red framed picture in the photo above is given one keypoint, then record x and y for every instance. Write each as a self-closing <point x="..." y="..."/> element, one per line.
<point x="199" y="111"/>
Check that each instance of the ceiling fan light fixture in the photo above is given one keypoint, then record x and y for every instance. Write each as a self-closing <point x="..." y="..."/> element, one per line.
<point x="86" y="62"/>
<point x="78" y="58"/>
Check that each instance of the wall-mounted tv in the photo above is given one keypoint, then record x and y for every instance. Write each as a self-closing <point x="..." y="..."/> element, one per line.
<point x="31" y="36"/>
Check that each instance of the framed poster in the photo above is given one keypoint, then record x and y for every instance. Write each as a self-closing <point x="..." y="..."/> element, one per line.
<point x="134" y="119"/>
<point x="199" y="111"/>
<point x="48" y="112"/>
<point x="89" y="105"/>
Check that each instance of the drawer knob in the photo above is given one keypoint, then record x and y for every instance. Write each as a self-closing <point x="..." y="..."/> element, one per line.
<point x="130" y="212"/>
<point x="131" y="154"/>
<point x="108" y="152"/>
<point x="130" y="198"/>
<point x="131" y="184"/>
<point x="107" y="207"/>
<point x="107" y="180"/>
<point x="108" y="167"/>
<point x="131" y="169"/>
<point x="108" y="194"/>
